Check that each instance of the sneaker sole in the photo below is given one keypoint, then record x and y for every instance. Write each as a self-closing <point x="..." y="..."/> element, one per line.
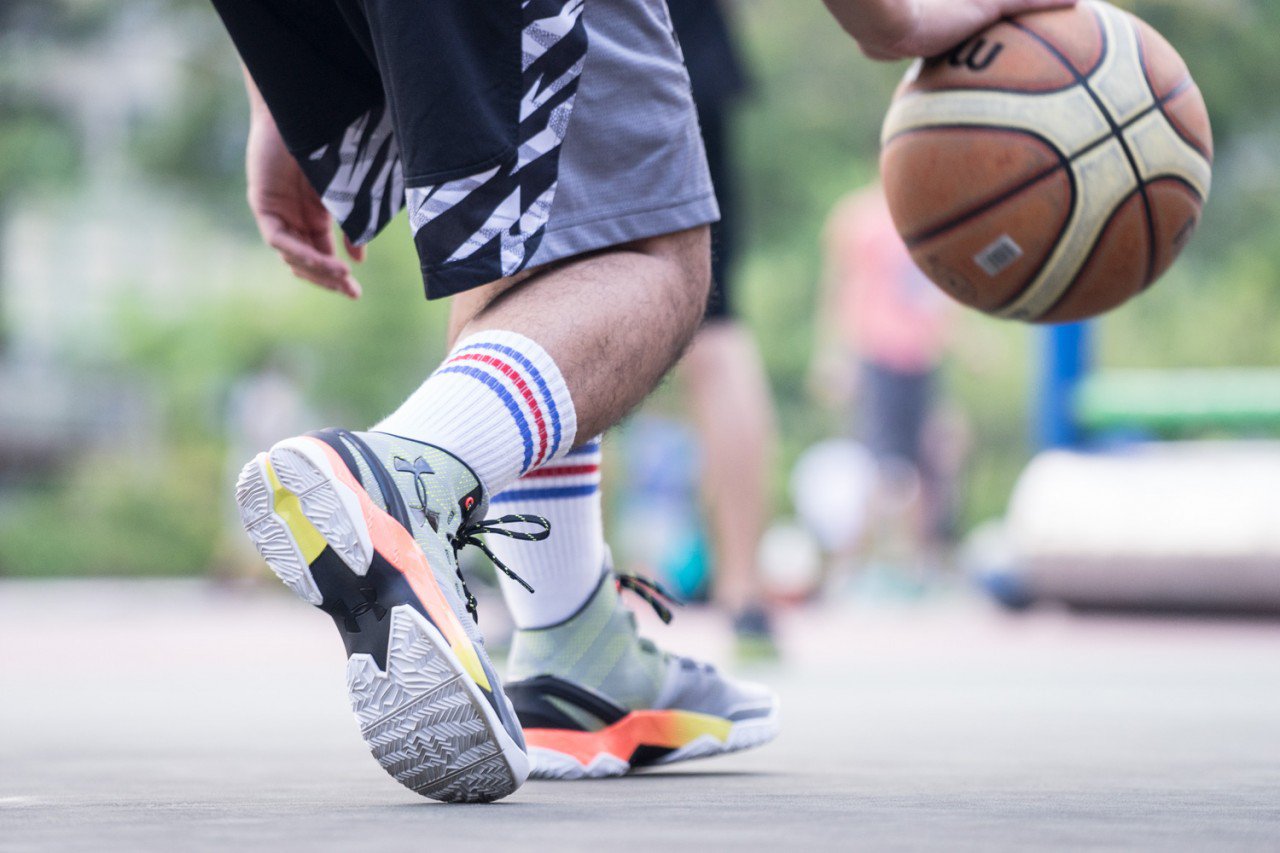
<point x="567" y="755"/>
<point x="423" y="716"/>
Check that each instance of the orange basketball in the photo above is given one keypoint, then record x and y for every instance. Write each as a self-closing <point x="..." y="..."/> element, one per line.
<point x="1050" y="168"/>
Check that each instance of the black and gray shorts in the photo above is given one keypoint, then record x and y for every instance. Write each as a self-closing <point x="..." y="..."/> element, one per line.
<point x="516" y="132"/>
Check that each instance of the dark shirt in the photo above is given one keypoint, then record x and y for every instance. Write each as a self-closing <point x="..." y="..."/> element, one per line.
<point x="715" y="69"/>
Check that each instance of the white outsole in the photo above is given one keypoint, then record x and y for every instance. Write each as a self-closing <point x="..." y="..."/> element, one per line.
<point x="548" y="764"/>
<point x="747" y="734"/>
<point x="424" y="719"/>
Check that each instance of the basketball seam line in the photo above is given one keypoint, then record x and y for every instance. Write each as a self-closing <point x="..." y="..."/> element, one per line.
<point x="1064" y="160"/>
<point x="917" y="240"/>
<point x="1186" y="83"/>
<point x="1146" y="197"/>
<point x="1117" y="133"/>
<point x="1158" y="106"/>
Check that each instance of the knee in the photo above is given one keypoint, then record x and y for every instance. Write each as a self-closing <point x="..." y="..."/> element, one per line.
<point x="686" y="260"/>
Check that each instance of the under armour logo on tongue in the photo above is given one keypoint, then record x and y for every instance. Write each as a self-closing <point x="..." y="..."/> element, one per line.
<point x="417" y="467"/>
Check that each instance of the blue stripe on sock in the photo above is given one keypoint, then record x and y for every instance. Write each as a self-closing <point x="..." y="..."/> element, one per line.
<point x="505" y="396"/>
<point x="593" y="447"/>
<point x="554" y="493"/>
<point x="520" y="359"/>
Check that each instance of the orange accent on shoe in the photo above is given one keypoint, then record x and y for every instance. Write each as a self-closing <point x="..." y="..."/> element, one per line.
<point x="399" y="548"/>
<point x="662" y="729"/>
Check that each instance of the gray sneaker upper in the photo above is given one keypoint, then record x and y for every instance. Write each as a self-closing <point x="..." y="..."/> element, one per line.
<point x="599" y="649"/>
<point x="430" y="489"/>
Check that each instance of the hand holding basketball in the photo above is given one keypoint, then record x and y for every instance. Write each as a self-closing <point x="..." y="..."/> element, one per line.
<point x="1052" y="166"/>
<point x="899" y="29"/>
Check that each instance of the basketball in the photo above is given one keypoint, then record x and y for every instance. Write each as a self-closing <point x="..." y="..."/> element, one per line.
<point x="1051" y="167"/>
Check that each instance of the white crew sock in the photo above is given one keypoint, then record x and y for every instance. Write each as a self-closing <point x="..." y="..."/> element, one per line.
<point x="565" y="568"/>
<point x="498" y="403"/>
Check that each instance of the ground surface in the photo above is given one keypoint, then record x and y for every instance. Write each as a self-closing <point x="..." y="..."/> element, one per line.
<point x="168" y="716"/>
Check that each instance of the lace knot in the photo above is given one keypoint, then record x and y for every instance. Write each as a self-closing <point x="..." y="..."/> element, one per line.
<point x="469" y="534"/>
<point x="652" y="592"/>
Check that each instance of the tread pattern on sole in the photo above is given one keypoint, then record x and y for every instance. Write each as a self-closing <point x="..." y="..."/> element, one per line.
<point x="420" y="718"/>
<point x="421" y="721"/>
<point x="321" y="504"/>
<point x="270" y="535"/>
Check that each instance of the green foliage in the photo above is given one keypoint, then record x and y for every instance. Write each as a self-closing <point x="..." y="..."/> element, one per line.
<point x="807" y="135"/>
<point x="115" y="515"/>
<point x="36" y="148"/>
<point x="200" y="148"/>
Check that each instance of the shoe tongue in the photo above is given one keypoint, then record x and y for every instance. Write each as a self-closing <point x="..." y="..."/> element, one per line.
<point x="434" y="490"/>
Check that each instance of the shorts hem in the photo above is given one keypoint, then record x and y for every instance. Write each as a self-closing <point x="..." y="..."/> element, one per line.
<point x="614" y="229"/>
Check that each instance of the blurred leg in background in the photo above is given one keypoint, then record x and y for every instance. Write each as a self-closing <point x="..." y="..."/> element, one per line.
<point x="723" y="372"/>
<point x="881" y="314"/>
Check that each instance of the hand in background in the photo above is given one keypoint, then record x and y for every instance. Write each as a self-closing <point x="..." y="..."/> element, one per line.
<point x="289" y="214"/>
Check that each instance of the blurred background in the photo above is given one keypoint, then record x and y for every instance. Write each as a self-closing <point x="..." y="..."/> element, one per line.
<point x="140" y="316"/>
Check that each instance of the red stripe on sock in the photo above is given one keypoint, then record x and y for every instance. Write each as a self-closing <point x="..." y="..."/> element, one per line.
<point x="525" y="391"/>
<point x="561" y="471"/>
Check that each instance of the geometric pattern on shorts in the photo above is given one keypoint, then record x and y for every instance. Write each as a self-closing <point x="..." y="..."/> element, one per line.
<point x="491" y="222"/>
<point x="481" y="227"/>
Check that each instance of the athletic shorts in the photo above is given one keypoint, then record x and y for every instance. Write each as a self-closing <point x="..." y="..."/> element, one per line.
<point x="516" y="132"/>
<point x="893" y="408"/>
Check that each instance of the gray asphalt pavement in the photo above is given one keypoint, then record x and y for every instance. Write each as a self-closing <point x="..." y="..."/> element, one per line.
<point x="171" y="716"/>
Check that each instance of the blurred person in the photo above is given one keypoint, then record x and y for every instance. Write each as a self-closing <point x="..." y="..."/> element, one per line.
<point x="579" y="256"/>
<point x="883" y="334"/>
<point x="723" y="372"/>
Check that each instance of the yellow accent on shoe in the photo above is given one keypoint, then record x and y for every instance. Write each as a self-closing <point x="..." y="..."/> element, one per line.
<point x="688" y="726"/>
<point x="288" y="507"/>
<point x="471" y="662"/>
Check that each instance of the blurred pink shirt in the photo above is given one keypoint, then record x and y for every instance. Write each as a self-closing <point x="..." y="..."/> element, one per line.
<point x="889" y="312"/>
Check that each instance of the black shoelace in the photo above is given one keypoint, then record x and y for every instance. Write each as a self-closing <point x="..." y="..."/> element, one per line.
<point x="469" y="534"/>
<point x="652" y="592"/>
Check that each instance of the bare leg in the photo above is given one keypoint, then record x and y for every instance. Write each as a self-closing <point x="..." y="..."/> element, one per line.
<point x="733" y="412"/>
<point x="615" y="322"/>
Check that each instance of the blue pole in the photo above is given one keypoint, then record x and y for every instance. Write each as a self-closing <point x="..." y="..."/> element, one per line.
<point x="1065" y="361"/>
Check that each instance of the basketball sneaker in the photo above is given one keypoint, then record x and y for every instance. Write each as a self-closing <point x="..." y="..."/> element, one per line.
<point x="597" y="700"/>
<point x="366" y="526"/>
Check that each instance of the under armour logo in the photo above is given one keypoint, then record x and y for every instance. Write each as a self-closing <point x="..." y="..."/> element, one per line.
<point x="370" y="603"/>
<point x="350" y="615"/>
<point x="417" y="467"/>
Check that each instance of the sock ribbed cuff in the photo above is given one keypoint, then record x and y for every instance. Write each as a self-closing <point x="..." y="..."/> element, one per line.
<point x="498" y="403"/>
<point x="565" y="568"/>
